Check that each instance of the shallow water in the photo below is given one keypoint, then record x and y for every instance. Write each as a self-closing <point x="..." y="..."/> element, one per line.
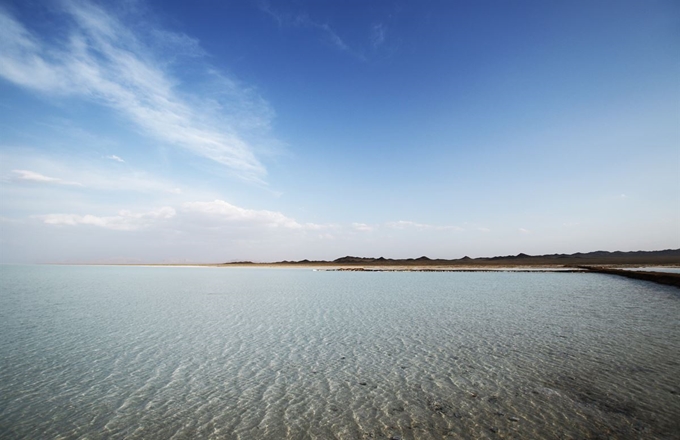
<point x="158" y="353"/>
<point x="655" y="269"/>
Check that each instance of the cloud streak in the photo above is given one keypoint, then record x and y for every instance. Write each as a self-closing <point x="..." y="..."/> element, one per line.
<point x="104" y="61"/>
<point x="124" y="221"/>
<point x="88" y="177"/>
<point x="378" y="35"/>
<point x="219" y="218"/>
<point x="403" y="224"/>
<point x="226" y="213"/>
<point x="362" y="227"/>
<point x="214" y="217"/>
<point x="31" y="176"/>
<point x="303" y="20"/>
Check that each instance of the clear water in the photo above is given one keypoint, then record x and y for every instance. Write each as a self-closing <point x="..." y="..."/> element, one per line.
<point x="183" y="353"/>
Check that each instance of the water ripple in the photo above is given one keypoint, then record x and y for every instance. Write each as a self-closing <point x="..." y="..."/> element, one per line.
<point x="158" y="353"/>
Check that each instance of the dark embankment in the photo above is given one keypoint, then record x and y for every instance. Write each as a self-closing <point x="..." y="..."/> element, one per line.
<point x="670" y="279"/>
<point x="597" y="258"/>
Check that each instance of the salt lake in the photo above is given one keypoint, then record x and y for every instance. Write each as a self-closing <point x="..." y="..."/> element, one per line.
<point x="254" y="353"/>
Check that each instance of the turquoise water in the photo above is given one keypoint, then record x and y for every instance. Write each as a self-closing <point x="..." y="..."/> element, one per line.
<point x="159" y="353"/>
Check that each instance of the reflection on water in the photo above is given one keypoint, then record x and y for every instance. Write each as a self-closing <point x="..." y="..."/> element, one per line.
<point x="155" y="353"/>
<point x="654" y="269"/>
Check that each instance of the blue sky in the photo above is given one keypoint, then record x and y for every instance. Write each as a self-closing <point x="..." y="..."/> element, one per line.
<point x="251" y="130"/>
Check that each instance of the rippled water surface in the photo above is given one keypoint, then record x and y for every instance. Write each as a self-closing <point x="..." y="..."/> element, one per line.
<point x="183" y="353"/>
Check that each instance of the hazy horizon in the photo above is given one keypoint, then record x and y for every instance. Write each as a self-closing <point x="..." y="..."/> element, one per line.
<point x="265" y="131"/>
<point x="133" y="261"/>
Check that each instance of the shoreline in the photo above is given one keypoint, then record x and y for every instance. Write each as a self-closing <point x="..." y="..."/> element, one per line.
<point x="328" y="266"/>
<point x="664" y="278"/>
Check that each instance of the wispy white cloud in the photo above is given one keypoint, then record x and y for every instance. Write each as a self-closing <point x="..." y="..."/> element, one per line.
<point x="104" y="61"/>
<point x="177" y="43"/>
<point x="404" y="224"/>
<point x="227" y="213"/>
<point x="192" y="215"/>
<point x="219" y="231"/>
<point x="19" y="167"/>
<point x="330" y="33"/>
<point x="524" y="231"/>
<point x="31" y="176"/>
<point x="133" y="181"/>
<point x="86" y="175"/>
<point x="363" y="227"/>
<point x="281" y="19"/>
<point x="10" y="220"/>
<point x="124" y="221"/>
<point x="116" y="158"/>
<point x="378" y="35"/>
<point x="303" y="20"/>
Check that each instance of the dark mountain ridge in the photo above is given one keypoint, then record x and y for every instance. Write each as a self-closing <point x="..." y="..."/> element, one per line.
<point x="660" y="257"/>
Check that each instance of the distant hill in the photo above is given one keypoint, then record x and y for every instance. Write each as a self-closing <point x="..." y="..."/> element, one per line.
<point x="661" y="257"/>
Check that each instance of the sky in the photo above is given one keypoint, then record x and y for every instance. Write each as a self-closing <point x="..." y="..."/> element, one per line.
<point x="210" y="131"/>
